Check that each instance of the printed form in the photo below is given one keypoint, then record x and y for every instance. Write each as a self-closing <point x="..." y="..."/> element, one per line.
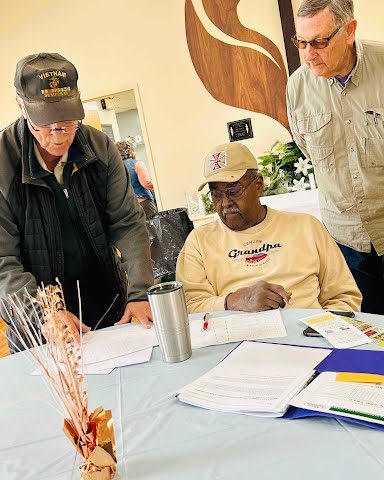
<point x="237" y="327"/>
<point x="256" y="378"/>
<point x="364" y="401"/>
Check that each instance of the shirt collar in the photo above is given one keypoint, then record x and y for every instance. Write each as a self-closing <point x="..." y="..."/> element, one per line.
<point x="355" y="74"/>
<point x="61" y="162"/>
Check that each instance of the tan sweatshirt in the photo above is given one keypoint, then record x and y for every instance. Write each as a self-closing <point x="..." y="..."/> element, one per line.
<point x="291" y="249"/>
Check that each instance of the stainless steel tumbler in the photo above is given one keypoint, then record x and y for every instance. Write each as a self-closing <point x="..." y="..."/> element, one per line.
<point x="170" y="318"/>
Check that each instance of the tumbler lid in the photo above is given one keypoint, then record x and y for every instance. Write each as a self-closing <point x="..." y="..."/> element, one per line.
<point x="165" y="287"/>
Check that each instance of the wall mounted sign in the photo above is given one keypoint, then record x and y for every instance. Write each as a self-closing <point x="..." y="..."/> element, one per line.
<point x="240" y="130"/>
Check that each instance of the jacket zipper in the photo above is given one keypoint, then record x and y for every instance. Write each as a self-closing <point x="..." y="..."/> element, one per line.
<point x="82" y="217"/>
<point x="57" y="254"/>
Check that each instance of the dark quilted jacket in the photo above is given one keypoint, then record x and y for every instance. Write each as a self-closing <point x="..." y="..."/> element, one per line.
<point x="30" y="244"/>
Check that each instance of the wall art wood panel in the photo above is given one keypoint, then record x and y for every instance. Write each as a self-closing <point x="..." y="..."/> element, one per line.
<point x="236" y="74"/>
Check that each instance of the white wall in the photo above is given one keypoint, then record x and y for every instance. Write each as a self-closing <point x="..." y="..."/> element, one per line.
<point x="119" y="43"/>
<point x="129" y="125"/>
<point x="108" y="117"/>
<point x="369" y="15"/>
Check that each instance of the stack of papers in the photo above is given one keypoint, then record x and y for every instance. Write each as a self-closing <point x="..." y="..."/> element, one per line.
<point x="265" y="379"/>
<point x="237" y="327"/>
<point x="256" y="378"/>
<point x="104" y="350"/>
<point x="364" y="401"/>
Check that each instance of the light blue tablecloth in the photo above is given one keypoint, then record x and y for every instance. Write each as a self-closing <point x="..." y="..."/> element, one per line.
<point x="159" y="438"/>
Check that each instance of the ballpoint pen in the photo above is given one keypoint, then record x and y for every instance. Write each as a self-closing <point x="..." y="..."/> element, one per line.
<point x="205" y="321"/>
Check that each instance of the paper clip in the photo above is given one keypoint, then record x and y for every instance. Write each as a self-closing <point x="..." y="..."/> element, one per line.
<point x="205" y="321"/>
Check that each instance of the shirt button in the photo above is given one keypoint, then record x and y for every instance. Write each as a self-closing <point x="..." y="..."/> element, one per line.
<point x="360" y="201"/>
<point x="348" y="122"/>
<point x="355" y="177"/>
<point x="352" y="149"/>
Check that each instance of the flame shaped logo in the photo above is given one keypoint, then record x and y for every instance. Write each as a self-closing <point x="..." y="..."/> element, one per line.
<point x="246" y="70"/>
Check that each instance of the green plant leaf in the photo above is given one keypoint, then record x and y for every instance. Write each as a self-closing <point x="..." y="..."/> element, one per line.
<point x="208" y="204"/>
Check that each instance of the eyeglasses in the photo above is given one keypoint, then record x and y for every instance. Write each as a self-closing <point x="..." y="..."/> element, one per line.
<point x="317" y="44"/>
<point x="235" y="191"/>
<point x="66" y="127"/>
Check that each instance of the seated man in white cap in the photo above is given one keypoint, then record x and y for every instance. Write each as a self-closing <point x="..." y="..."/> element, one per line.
<point x="256" y="258"/>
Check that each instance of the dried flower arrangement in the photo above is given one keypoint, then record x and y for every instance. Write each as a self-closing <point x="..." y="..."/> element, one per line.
<point x="60" y="361"/>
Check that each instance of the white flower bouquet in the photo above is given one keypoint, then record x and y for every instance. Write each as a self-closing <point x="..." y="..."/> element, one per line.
<point x="285" y="169"/>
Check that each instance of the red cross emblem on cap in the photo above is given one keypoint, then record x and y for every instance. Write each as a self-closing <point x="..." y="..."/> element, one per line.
<point x="217" y="160"/>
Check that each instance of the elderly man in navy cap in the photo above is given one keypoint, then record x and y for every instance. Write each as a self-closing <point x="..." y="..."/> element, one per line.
<point x="67" y="209"/>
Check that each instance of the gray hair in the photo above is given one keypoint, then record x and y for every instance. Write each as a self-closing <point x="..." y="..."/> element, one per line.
<point x="342" y="10"/>
<point x="126" y="147"/>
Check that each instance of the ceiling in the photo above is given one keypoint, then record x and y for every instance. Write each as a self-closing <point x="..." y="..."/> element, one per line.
<point x="119" y="102"/>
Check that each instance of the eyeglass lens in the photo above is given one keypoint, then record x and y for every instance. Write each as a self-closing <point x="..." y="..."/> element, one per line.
<point x="230" y="192"/>
<point x="316" y="44"/>
<point x="64" y="127"/>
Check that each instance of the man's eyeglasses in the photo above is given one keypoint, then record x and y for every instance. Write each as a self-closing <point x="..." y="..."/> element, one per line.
<point x="235" y="191"/>
<point x="317" y="44"/>
<point x="65" y="127"/>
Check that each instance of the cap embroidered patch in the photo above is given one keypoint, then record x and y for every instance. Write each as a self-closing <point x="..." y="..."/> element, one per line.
<point x="52" y="80"/>
<point x="217" y="160"/>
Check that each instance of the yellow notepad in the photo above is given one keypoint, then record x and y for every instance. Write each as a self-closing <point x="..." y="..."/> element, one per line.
<point x="359" y="377"/>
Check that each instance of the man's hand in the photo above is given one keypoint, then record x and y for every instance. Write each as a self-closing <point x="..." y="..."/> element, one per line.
<point x="69" y="319"/>
<point x="140" y="310"/>
<point x="259" y="297"/>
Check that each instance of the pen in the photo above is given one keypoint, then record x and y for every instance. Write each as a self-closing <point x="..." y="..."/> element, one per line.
<point x="205" y="321"/>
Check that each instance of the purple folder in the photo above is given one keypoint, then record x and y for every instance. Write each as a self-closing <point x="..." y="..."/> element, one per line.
<point x="345" y="360"/>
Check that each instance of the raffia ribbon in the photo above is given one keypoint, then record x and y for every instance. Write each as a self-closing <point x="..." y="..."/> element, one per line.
<point x="99" y="466"/>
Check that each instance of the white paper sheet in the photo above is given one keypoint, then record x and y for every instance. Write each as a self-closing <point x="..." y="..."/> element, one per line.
<point x="255" y="377"/>
<point x="336" y="330"/>
<point x="237" y="327"/>
<point x="105" y="367"/>
<point x="103" y="344"/>
<point x="348" y="399"/>
<point x="106" y="349"/>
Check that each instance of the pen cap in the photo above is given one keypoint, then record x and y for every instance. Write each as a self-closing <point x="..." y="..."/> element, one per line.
<point x="170" y="318"/>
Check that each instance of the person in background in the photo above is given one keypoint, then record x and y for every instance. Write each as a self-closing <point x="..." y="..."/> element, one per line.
<point x="67" y="209"/>
<point x="140" y="179"/>
<point x="336" y="112"/>
<point x="254" y="258"/>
